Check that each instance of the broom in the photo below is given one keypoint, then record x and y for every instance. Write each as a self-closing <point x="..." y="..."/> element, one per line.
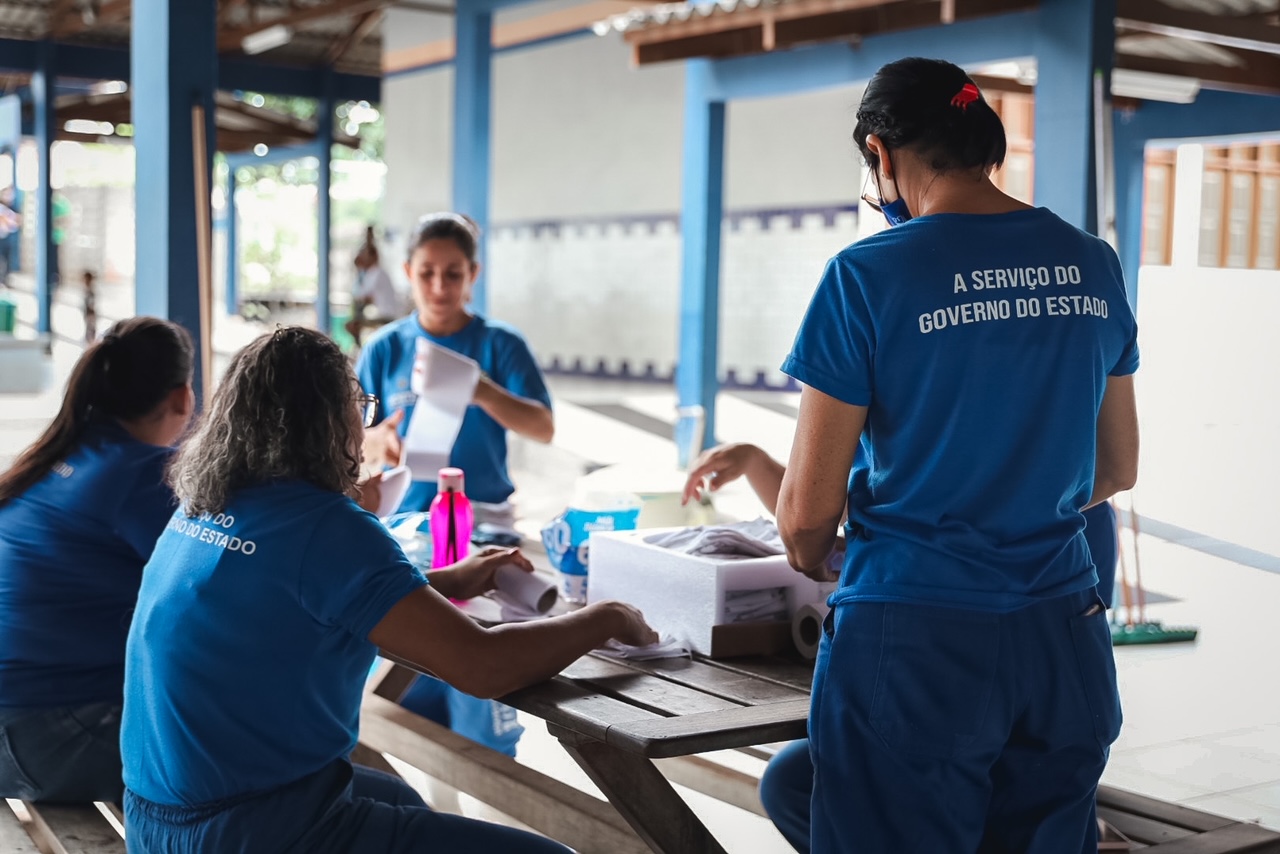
<point x="1141" y="631"/>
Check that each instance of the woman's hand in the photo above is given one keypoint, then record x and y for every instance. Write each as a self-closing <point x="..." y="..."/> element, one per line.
<point x="382" y="444"/>
<point x="369" y="495"/>
<point x="630" y="627"/>
<point x="717" y="466"/>
<point x="473" y="575"/>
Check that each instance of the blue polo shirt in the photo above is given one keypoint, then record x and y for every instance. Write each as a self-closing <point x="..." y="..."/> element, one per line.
<point x="981" y="346"/>
<point x="386" y="363"/>
<point x="72" y="548"/>
<point x="249" y="650"/>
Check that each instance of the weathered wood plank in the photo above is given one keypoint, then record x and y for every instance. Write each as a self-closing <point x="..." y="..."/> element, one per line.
<point x="547" y="805"/>
<point x="643" y="796"/>
<point x="708" y="731"/>
<point x="721" y="782"/>
<point x="633" y="685"/>
<point x="13" y="836"/>
<point x="74" y="829"/>
<point x="392" y="680"/>
<point x="1237" y="838"/>
<point x="1142" y="829"/>
<point x="781" y="670"/>
<point x="577" y="707"/>
<point x="1161" y="811"/>
<point x="728" y="684"/>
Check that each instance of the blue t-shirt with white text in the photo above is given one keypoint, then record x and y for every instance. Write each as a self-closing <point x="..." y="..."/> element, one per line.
<point x="72" y="548"/>
<point x="384" y="370"/>
<point x="249" y="650"/>
<point x="981" y="346"/>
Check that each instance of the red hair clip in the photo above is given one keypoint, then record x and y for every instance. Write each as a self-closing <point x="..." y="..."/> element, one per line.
<point x="967" y="95"/>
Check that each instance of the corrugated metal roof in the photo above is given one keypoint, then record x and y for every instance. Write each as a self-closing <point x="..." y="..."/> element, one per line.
<point x="661" y="14"/>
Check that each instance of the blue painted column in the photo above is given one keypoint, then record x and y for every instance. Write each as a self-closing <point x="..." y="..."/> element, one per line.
<point x="1130" y="177"/>
<point x="701" y="208"/>
<point x="174" y="64"/>
<point x="1074" y="38"/>
<point x="324" y="205"/>
<point x="42" y="95"/>
<point x="472" y="105"/>
<point x="232" y="297"/>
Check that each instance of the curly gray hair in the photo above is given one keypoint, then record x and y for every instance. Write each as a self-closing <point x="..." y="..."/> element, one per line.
<point x="285" y="409"/>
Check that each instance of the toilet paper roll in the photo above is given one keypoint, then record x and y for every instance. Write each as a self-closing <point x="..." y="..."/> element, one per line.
<point x="525" y="591"/>
<point x="806" y="628"/>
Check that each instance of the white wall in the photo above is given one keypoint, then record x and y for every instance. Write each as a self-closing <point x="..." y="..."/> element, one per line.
<point x="587" y="143"/>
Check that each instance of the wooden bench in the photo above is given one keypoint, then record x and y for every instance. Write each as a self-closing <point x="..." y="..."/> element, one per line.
<point x="60" y="829"/>
<point x="547" y="805"/>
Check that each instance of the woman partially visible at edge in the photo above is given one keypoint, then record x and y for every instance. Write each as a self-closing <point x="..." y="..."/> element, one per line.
<point x="964" y="693"/>
<point x="80" y="511"/>
<point x="260" y="614"/>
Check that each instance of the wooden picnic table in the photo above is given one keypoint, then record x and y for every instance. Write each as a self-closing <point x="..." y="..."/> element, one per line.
<point x="623" y="721"/>
<point x="615" y="717"/>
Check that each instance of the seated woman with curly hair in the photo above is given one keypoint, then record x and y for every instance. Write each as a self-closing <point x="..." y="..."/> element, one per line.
<point x="261" y="611"/>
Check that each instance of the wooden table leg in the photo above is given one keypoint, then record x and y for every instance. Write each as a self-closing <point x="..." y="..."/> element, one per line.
<point x="642" y="795"/>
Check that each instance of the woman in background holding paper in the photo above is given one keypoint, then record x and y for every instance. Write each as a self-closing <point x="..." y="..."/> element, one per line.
<point x="495" y="387"/>
<point x="451" y="384"/>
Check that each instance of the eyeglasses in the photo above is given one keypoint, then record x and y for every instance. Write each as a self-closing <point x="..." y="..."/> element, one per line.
<point x="368" y="404"/>
<point x="873" y="202"/>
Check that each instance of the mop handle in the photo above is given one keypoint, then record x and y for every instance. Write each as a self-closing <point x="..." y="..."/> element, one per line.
<point x="1137" y="561"/>
<point x="1125" y="593"/>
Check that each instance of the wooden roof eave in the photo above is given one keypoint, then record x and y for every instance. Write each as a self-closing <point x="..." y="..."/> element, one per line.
<point x="778" y="27"/>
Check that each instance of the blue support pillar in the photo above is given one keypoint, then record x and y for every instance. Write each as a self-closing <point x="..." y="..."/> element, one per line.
<point x="42" y="95"/>
<point x="1130" y="175"/>
<point x="233" y="248"/>
<point x="701" y="208"/>
<point x="1074" y="38"/>
<point x="324" y="206"/>
<point x="174" y="64"/>
<point x="472" y="104"/>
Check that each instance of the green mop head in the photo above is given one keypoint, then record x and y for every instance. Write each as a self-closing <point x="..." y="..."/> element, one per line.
<point x="1144" y="633"/>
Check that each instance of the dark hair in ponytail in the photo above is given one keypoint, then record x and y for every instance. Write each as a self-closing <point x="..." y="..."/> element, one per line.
<point x="459" y="228"/>
<point x="934" y="109"/>
<point x="125" y="375"/>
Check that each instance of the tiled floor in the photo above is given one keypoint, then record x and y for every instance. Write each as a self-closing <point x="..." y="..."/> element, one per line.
<point x="1202" y="720"/>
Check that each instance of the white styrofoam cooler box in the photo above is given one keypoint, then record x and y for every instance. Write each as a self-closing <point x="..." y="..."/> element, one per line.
<point x="681" y="594"/>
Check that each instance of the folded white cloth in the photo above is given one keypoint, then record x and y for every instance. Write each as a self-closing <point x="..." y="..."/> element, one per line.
<point x="666" y="647"/>
<point x="745" y="606"/>
<point x="758" y="538"/>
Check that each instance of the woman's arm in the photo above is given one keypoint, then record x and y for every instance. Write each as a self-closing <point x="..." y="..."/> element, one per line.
<point x="520" y="415"/>
<point x="724" y="464"/>
<point x="815" y="487"/>
<point x="423" y="628"/>
<point x="1116" y="465"/>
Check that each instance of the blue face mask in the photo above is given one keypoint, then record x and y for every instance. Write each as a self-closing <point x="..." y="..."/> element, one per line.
<point x="895" y="212"/>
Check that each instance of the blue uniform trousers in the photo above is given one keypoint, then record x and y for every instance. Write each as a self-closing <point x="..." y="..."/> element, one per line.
<point x="786" y="787"/>
<point x="949" y="730"/>
<point x="340" y="809"/>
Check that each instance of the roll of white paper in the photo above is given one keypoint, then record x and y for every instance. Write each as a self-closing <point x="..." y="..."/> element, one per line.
<point x="806" y="628"/>
<point x="525" y="591"/>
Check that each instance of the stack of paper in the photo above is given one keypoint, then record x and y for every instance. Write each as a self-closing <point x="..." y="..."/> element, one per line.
<point x="445" y="383"/>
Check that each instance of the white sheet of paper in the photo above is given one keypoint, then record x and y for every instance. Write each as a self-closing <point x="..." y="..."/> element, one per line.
<point x="395" y="483"/>
<point x="445" y="382"/>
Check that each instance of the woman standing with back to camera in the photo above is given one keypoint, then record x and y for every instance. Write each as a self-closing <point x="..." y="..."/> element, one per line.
<point x="982" y="352"/>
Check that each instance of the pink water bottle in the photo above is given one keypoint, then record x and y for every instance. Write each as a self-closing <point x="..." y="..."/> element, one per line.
<point x="450" y="520"/>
